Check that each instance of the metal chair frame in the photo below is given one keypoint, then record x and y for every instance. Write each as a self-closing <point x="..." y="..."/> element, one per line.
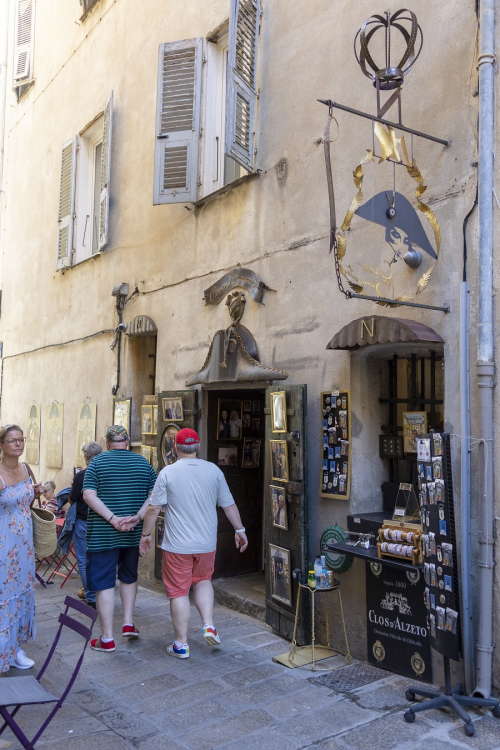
<point x="25" y="683"/>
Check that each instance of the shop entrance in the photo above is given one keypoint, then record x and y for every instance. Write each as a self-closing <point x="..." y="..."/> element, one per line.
<point x="235" y="429"/>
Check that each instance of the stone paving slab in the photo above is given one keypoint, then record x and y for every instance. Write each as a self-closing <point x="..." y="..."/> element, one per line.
<point x="231" y="697"/>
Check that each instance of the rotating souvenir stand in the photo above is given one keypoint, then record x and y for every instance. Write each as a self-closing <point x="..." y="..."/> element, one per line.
<point x="441" y="578"/>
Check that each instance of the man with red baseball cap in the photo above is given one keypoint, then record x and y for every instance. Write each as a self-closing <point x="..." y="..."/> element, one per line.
<point x="190" y="491"/>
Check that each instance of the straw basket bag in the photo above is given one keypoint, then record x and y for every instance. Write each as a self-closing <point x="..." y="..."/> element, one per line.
<point x="44" y="532"/>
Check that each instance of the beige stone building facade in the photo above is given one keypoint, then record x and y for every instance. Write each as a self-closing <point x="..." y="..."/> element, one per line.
<point x="118" y="116"/>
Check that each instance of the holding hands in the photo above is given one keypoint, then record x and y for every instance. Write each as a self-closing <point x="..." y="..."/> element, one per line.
<point x="124" y="523"/>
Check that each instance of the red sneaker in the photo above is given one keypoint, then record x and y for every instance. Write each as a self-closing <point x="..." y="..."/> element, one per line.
<point x="98" y="645"/>
<point x="130" y="631"/>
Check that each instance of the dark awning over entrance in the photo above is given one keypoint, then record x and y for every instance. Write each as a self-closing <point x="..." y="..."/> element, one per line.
<point x="379" y="329"/>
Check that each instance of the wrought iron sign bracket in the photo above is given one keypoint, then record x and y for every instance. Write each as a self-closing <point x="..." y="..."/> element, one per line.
<point x="386" y="301"/>
<point x="332" y="104"/>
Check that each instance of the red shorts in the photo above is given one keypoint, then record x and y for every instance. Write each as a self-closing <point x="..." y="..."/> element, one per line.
<point x="180" y="572"/>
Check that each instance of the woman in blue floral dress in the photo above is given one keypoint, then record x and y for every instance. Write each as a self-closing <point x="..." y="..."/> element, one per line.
<point x="17" y="557"/>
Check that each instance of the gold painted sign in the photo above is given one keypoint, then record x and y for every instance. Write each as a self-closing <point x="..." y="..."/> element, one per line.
<point x="85" y="430"/>
<point x="33" y="435"/>
<point x="54" y="436"/>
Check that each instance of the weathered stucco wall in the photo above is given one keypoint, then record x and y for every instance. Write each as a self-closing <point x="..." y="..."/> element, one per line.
<point x="276" y="226"/>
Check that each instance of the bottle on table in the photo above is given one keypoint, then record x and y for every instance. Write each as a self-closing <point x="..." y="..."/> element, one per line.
<point x="318" y="570"/>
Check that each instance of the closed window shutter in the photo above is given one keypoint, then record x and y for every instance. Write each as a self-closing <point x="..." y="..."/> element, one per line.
<point x="105" y="171"/>
<point x="241" y="88"/>
<point x="178" y="122"/>
<point x="66" y="205"/>
<point x="23" y="47"/>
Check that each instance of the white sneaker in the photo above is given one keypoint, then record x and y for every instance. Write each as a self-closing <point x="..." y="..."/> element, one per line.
<point x="21" y="661"/>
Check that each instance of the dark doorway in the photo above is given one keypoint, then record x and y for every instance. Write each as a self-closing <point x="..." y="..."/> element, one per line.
<point x="235" y="424"/>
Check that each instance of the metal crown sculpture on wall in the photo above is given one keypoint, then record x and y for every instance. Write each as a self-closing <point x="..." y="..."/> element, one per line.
<point x="406" y="241"/>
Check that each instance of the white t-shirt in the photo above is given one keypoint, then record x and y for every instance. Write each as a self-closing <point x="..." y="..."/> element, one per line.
<point x="191" y="489"/>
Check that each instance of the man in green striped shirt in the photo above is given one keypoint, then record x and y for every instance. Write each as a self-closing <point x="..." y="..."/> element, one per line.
<point x="116" y="488"/>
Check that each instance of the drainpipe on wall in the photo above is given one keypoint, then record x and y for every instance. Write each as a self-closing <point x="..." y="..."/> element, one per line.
<point x="485" y="345"/>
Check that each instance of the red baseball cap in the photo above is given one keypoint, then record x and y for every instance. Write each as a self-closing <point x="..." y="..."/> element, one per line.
<point x="187" y="437"/>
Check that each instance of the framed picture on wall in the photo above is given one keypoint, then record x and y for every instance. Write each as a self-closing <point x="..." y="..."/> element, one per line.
<point x="278" y="507"/>
<point x="154" y="458"/>
<point x="278" y="411"/>
<point x="168" y="447"/>
<point x="229" y="419"/>
<point x="279" y="460"/>
<point x="227" y="455"/>
<point x="281" y="580"/>
<point x="147" y="420"/>
<point x="155" y="419"/>
<point x="122" y="408"/>
<point x="146" y="452"/>
<point x="251" y="453"/>
<point x="247" y="405"/>
<point x="172" y="410"/>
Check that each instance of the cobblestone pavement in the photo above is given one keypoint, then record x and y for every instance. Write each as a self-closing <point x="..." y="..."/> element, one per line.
<point x="233" y="697"/>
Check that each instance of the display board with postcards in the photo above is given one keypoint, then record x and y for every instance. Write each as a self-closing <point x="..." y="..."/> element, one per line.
<point x="439" y="542"/>
<point x="335" y="479"/>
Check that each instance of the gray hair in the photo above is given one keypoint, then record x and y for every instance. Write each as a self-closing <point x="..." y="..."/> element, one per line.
<point x="91" y="449"/>
<point x="49" y="484"/>
<point x="189" y="449"/>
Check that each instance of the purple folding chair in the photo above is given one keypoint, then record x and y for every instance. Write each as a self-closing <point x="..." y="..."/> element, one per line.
<point x="27" y="691"/>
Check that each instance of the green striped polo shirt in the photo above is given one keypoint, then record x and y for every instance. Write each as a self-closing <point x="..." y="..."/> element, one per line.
<point x="122" y="480"/>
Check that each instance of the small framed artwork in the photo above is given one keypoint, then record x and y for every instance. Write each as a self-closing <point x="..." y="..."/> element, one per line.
<point x="414" y="425"/>
<point x="229" y="421"/>
<point x="160" y="530"/>
<point x="251" y="453"/>
<point x="168" y="447"/>
<point x="155" y="419"/>
<point x="246" y="421"/>
<point x="278" y="412"/>
<point x="279" y="460"/>
<point x="146" y="452"/>
<point x="154" y="458"/>
<point x="247" y="405"/>
<point x="279" y="567"/>
<point x="278" y="507"/>
<point x="255" y="407"/>
<point x="147" y="420"/>
<point x="122" y="408"/>
<point x="256" y="424"/>
<point x="228" y="455"/>
<point x="172" y="410"/>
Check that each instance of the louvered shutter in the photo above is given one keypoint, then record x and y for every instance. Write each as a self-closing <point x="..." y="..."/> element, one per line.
<point x="105" y="171"/>
<point x="66" y="205"/>
<point x="178" y="122"/>
<point x="24" y="28"/>
<point x="241" y="88"/>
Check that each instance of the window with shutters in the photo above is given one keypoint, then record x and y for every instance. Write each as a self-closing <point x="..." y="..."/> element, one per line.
<point x="84" y="192"/>
<point x="24" y="38"/>
<point x="206" y="109"/>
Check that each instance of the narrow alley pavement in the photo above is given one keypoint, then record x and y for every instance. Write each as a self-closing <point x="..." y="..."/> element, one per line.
<point x="233" y="697"/>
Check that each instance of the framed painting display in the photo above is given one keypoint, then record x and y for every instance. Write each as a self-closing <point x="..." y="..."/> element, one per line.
<point x="335" y="481"/>
<point x="251" y="453"/>
<point x="278" y="412"/>
<point x="146" y="452"/>
<point x="279" y="460"/>
<point x="155" y="419"/>
<point x="154" y="458"/>
<point x="229" y="419"/>
<point x="279" y="567"/>
<point x="85" y="430"/>
<point x="54" y="439"/>
<point x="147" y="420"/>
<point x="160" y="530"/>
<point x="33" y="435"/>
<point x="227" y="455"/>
<point x="168" y="447"/>
<point x="414" y="425"/>
<point x="278" y="507"/>
<point x="122" y="408"/>
<point x="247" y="405"/>
<point x="172" y="409"/>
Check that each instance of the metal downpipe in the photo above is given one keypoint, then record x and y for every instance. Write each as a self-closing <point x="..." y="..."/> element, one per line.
<point x="466" y="567"/>
<point x="485" y="347"/>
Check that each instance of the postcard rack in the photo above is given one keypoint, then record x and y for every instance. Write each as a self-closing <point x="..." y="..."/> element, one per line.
<point x="401" y="540"/>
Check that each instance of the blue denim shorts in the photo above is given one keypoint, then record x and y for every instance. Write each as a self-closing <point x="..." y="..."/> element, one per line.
<point x="104" y="566"/>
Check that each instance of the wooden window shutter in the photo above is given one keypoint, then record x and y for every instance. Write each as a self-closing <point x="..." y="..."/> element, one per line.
<point x="241" y="89"/>
<point x="178" y="122"/>
<point x="23" y="47"/>
<point x="105" y="172"/>
<point x="66" y="205"/>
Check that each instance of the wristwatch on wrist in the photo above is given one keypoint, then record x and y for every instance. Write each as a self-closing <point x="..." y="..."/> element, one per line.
<point x="240" y="531"/>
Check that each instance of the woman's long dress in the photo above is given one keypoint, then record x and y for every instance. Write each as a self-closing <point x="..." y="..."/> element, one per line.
<point x="17" y="570"/>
